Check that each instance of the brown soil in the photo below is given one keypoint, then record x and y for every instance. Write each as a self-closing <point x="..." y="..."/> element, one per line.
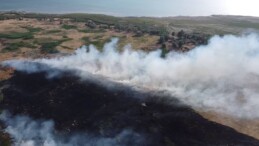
<point x="249" y="127"/>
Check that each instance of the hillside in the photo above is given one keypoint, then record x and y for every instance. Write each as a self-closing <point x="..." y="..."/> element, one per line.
<point x="32" y="36"/>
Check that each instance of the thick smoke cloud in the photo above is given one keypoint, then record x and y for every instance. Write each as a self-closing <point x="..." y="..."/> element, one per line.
<point x="222" y="76"/>
<point x="28" y="132"/>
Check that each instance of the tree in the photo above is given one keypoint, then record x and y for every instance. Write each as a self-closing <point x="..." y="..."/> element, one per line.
<point x="161" y="40"/>
<point x="180" y="34"/>
<point x="180" y="44"/>
<point x="164" y="51"/>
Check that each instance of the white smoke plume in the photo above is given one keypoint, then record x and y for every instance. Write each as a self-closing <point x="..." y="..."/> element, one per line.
<point x="222" y="76"/>
<point x="28" y="132"/>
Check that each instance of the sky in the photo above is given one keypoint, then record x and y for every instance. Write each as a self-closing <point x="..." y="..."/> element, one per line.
<point x="158" y="8"/>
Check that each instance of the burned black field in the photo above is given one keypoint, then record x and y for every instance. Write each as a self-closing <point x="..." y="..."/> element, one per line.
<point x="77" y="105"/>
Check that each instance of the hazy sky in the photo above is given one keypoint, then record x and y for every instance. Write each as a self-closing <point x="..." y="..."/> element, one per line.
<point x="137" y="7"/>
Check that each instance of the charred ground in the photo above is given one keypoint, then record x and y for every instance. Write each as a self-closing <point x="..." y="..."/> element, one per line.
<point x="87" y="105"/>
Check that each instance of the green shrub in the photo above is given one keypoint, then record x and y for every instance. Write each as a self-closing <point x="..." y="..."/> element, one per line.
<point x="92" y="30"/>
<point x="99" y="43"/>
<point x="65" y="26"/>
<point x="50" y="47"/>
<point x="12" y="47"/>
<point x="53" y="31"/>
<point x="33" y="29"/>
<point x="164" y="51"/>
<point x="21" y="35"/>
<point x="18" y="35"/>
<point x="85" y="39"/>
<point x="16" y="46"/>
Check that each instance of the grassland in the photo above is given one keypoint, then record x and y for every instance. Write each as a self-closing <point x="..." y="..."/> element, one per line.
<point x="215" y="24"/>
<point x="34" y="26"/>
<point x="32" y="37"/>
